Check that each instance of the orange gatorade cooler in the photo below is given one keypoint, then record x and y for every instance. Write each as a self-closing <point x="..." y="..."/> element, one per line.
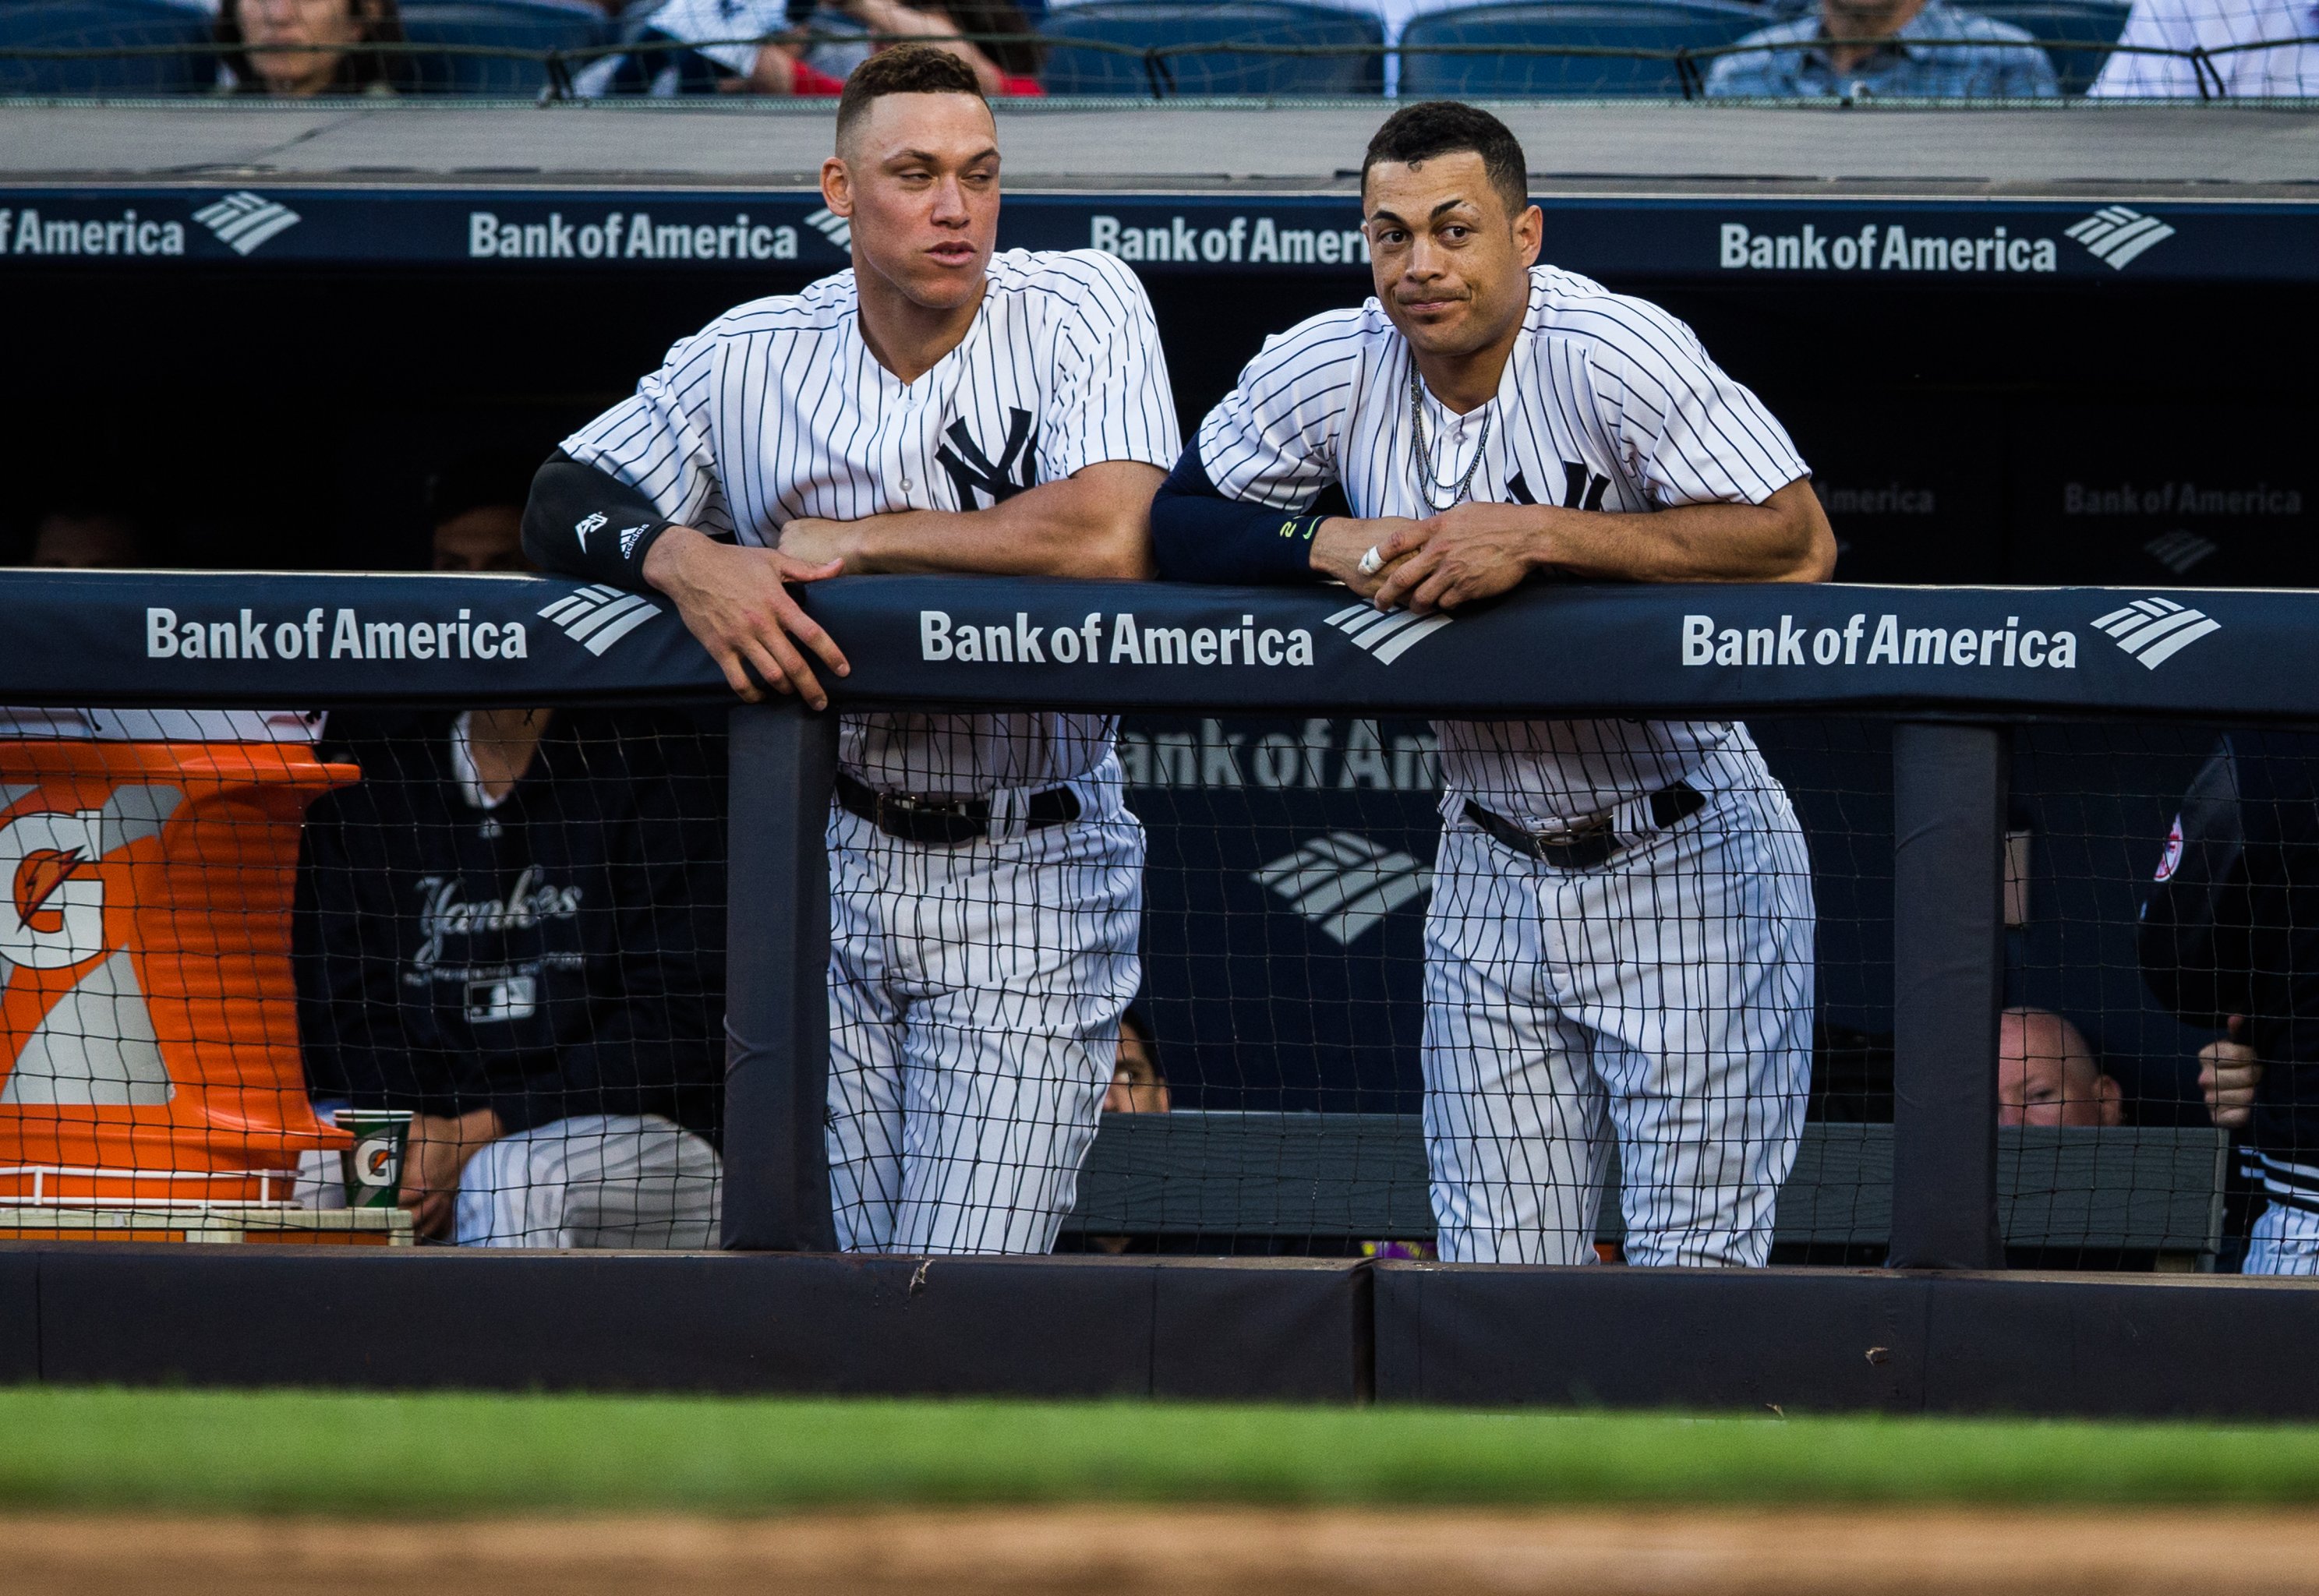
<point x="149" y="1027"/>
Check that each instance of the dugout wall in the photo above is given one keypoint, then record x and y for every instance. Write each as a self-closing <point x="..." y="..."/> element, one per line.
<point x="1943" y="1334"/>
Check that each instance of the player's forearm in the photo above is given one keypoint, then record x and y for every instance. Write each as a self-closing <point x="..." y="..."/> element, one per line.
<point x="1095" y="524"/>
<point x="581" y="520"/>
<point x="1785" y="538"/>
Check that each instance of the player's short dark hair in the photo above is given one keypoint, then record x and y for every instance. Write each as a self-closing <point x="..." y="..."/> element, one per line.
<point x="1418" y="133"/>
<point x="904" y="69"/>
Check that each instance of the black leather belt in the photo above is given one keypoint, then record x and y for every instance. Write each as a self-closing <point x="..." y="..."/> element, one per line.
<point x="1582" y="844"/>
<point x="945" y="821"/>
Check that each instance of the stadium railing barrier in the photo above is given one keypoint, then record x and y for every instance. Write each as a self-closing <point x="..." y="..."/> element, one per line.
<point x="1470" y="52"/>
<point x="1996" y="747"/>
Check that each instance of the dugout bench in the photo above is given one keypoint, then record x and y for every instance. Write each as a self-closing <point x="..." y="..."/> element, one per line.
<point x="1220" y="1175"/>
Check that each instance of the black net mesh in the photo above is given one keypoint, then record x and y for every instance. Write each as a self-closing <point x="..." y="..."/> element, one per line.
<point x="445" y="977"/>
<point x="458" y="977"/>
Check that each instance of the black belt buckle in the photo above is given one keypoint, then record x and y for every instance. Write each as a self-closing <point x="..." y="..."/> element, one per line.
<point x="945" y="821"/>
<point x="1591" y="842"/>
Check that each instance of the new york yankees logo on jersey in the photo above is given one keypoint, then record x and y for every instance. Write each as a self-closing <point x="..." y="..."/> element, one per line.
<point x="778" y="411"/>
<point x="1609" y="401"/>
<point x="971" y="472"/>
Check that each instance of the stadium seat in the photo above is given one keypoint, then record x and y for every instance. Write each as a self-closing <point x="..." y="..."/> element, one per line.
<point x="2072" y="21"/>
<point x="65" y="24"/>
<point x="1079" y="63"/>
<point x="505" y="25"/>
<point x="1502" y="69"/>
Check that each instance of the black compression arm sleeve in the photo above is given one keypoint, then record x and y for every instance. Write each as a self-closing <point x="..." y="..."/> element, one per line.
<point x="1198" y="535"/>
<point x="581" y="521"/>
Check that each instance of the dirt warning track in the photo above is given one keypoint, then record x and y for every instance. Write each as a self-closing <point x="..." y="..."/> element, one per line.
<point x="1068" y="1551"/>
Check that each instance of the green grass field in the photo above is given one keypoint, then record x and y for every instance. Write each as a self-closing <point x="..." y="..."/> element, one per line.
<point x="398" y="1456"/>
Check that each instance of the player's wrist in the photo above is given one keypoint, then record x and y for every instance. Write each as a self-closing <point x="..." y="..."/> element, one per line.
<point x="669" y="563"/>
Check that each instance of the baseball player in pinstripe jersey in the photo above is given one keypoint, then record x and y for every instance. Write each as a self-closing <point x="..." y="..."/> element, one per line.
<point x="1619" y="943"/>
<point x="937" y="408"/>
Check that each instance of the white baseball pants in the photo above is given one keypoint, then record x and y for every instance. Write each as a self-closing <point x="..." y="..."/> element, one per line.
<point x="974" y="1002"/>
<point x="591" y="1180"/>
<point x="1664" y="997"/>
<point x="2283" y="1241"/>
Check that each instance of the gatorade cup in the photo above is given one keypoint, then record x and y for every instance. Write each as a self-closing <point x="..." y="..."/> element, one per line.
<point x="374" y="1169"/>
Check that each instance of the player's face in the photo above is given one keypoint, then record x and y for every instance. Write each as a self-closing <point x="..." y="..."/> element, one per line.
<point x="1451" y="267"/>
<point x="918" y="176"/>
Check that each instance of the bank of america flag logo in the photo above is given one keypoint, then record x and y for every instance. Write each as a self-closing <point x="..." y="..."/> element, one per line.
<point x="597" y="617"/>
<point x="830" y="225"/>
<point x="1345" y="885"/>
<point x="2154" y="630"/>
<point x="1386" y="635"/>
<point x="244" y="221"/>
<point x="2117" y="234"/>
<point x="2180" y="551"/>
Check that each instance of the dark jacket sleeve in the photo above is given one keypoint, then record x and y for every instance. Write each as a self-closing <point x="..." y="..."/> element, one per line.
<point x="656" y="1043"/>
<point x="2196" y="944"/>
<point x="581" y="522"/>
<point x="342" y="938"/>
<point x="1198" y="535"/>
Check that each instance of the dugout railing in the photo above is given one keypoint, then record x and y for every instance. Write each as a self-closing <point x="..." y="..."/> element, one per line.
<point x="2008" y="659"/>
<point x="79" y="51"/>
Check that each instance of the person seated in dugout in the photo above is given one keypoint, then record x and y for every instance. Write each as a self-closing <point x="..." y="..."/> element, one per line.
<point x="88" y="536"/>
<point x="1886" y="50"/>
<point x="2047" y="1074"/>
<point x="1138" y="1085"/>
<point x="295" y="48"/>
<point x="513" y="927"/>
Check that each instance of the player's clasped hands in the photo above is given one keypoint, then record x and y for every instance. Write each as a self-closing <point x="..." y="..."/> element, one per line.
<point x="1474" y="551"/>
<point x="2228" y="1074"/>
<point x="735" y="602"/>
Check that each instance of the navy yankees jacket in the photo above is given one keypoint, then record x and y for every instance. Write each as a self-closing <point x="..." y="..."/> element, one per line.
<point x="2231" y="927"/>
<point x="559" y="953"/>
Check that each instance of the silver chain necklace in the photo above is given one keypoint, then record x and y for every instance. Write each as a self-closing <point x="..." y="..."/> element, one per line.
<point x="1421" y="456"/>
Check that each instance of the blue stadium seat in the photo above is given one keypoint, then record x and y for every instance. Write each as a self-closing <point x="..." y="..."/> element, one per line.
<point x="1078" y="64"/>
<point x="67" y="25"/>
<point x="2075" y="21"/>
<point x="508" y="24"/>
<point x="1596" y="24"/>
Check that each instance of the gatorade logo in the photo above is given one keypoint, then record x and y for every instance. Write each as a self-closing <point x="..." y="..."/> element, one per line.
<point x="37" y="880"/>
<point x="375" y="1161"/>
<point x="57" y="921"/>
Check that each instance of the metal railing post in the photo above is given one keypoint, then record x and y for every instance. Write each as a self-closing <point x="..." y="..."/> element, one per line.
<point x="1948" y="980"/>
<point x="784" y="764"/>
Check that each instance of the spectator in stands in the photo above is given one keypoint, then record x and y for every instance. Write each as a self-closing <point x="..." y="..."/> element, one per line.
<point x="512" y="927"/>
<point x="2047" y="1075"/>
<point x="1886" y="50"/>
<point x="2256" y="48"/>
<point x="89" y="538"/>
<point x="296" y="48"/>
<point x="772" y="56"/>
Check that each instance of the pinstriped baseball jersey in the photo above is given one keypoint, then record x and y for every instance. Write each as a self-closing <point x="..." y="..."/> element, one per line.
<point x="778" y="410"/>
<point x="1608" y="403"/>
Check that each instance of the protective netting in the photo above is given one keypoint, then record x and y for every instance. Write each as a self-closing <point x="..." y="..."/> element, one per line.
<point x="450" y="976"/>
<point x="2000" y="50"/>
<point x="1719" y="1022"/>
